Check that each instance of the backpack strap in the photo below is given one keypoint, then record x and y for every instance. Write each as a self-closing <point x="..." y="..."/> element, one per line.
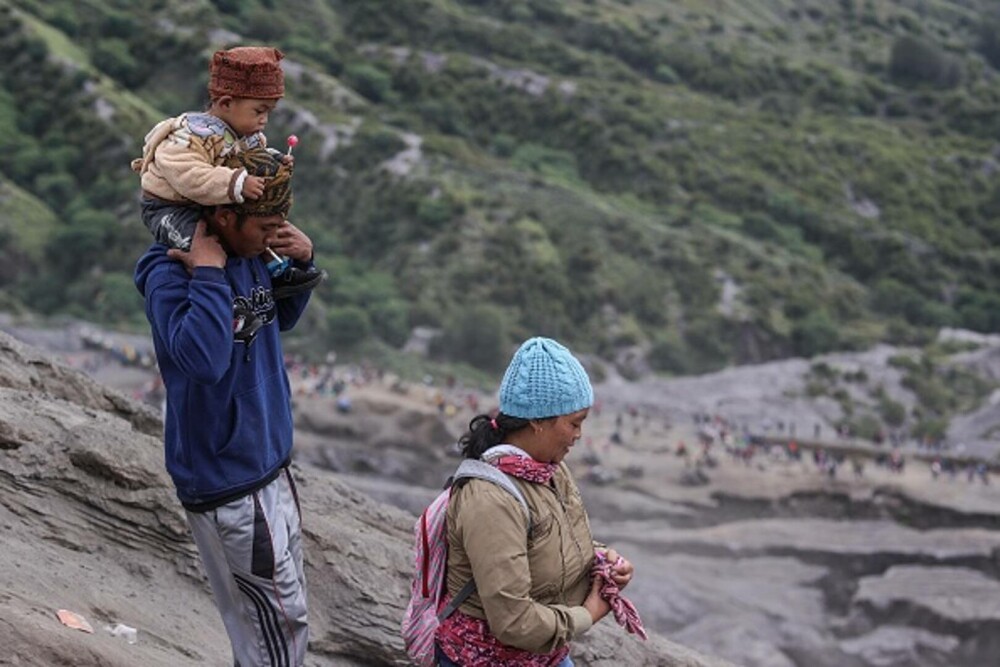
<point x="481" y="470"/>
<point x="474" y="468"/>
<point x="460" y="597"/>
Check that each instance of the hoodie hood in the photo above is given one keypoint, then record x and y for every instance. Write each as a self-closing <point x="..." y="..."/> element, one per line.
<point x="152" y="258"/>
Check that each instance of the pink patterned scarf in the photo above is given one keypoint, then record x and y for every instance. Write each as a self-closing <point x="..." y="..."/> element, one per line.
<point x="526" y="468"/>
<point x="624" y="611"/>
<point x="469" y="642"/>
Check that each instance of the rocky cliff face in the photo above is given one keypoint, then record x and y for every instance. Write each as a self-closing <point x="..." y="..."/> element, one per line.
<point x="90" y="524"/>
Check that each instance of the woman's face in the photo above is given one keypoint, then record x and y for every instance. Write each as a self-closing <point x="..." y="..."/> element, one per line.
<point x="557" y="435"/>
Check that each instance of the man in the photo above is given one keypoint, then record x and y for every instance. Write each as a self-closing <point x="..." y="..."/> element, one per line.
<point x="228" y="422"/>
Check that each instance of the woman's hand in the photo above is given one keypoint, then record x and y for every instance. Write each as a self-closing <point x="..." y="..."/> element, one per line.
<point x="594" y="603"/>
<point x="621" y="569"/>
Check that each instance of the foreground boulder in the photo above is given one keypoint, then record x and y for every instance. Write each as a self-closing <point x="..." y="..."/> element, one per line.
<point x="90" y="524"/>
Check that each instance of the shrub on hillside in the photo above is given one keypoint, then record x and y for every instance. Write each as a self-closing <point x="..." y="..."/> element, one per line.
<point x="347" y="326"/>
<point x="548" y="161"/>
<point x="894" y="298"/>
<point x="931" y="429"/>
<point x="989" y="41"/>
<point x="476" y="335"/>
<point x="390" y="321"/>
<point x="710" y="341"/>
<point x="113" y="57"/>
<point x="978" y="310"/>
<point x="370" y="146"/>
<point x="668" y="355"/>
<point x="435" y="211"/>
<point x="57" y="188"/>
<point x="893" y="412"/>
<point x="116" y="300"/>
<point x="914" y="61"/>
<point x="866" y="427"/>
<point x="815" y="334"/>
<point x="369" y="81"/>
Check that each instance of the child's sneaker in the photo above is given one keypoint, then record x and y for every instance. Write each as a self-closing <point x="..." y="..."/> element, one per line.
<point x="293" y="281"/>
<point x="246" y="323"/>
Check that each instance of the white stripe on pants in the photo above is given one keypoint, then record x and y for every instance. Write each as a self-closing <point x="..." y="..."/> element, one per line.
<point x="251" y="549"/>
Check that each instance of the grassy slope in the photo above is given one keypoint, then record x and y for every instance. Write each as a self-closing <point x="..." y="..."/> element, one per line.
<point x="664" y="180"/>
<point x="29" y="220"/>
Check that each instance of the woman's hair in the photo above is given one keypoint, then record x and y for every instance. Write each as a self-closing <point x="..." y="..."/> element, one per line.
<point x="482" y="434"/>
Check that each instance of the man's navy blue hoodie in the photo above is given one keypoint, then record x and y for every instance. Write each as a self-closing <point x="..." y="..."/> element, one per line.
<point x="228" y="423"/>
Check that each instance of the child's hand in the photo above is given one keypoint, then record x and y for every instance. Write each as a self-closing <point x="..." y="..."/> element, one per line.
<point x="253" y="187"/>
<point x="288" y="160"/>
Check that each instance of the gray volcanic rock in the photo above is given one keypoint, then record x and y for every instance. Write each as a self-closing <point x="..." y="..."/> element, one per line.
<point x="378" y="436"/>
<point x="780" y="592"/>
<point x="952" y="594"/>
<point x="835" y="538"/>
<point x="889" y="646"/>
<point x="719" y="602"/>
<point x="28" y="370"/>
<point x="90" y="524"/>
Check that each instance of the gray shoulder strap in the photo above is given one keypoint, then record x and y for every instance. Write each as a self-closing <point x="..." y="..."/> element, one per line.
<point x="482" y="470"/>
<point x="468" y="589"/>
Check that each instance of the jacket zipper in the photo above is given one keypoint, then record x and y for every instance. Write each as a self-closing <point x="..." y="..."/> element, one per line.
<point x="569" y="525"/>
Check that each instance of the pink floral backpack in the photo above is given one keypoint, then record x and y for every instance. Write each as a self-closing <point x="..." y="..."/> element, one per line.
<point x="429" y="603"/>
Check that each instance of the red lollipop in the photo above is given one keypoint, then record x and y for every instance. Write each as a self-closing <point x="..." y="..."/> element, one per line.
<point x="292" y="142"/>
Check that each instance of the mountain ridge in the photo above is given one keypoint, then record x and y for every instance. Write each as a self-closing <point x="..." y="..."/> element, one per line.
<point x="705" y="184"/>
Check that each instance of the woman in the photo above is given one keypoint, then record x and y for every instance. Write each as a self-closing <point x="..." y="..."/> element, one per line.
<point x="533" y="590"/>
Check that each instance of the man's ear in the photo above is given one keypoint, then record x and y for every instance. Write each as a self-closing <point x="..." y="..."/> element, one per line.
<point x="224" y="217"/>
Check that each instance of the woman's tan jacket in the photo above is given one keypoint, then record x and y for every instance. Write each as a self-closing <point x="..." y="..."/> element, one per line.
<point x="530" y="589"/>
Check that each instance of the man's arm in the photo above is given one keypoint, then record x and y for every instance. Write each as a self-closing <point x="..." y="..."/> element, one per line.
<point x="293" y="243"/>
<point x="191" y="311"/>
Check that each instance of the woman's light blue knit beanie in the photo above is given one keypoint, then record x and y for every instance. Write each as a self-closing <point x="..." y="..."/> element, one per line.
<point x="544" y="379"/>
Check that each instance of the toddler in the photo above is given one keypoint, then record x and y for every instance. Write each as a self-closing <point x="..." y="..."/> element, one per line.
<point x="184" y="159"/>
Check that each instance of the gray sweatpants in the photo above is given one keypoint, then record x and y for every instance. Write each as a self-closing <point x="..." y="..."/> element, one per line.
<point x="251" y="549"/>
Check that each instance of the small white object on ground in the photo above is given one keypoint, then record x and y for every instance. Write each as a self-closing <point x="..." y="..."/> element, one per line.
<point x="130" y="634"/>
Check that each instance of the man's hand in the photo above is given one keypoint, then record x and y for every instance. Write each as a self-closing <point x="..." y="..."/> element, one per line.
<point x="253" y="187"/>
<point x="205" y="251"/>
<point x="292" y="242"/>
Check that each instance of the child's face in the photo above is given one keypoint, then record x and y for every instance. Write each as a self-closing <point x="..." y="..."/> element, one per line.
<point x="246" y="115"/>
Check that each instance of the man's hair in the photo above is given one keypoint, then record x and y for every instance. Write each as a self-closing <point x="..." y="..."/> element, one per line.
<point x="266" y="163"/>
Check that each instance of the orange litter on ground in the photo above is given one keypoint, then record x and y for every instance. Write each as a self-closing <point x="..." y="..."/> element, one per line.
<point x="73" y="620"/>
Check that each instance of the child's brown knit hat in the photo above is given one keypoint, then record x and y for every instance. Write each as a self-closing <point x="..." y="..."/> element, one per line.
<point x="247" y="71"/>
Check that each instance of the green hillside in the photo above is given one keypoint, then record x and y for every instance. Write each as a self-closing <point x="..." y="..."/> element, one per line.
<point x="696" y="182"/>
